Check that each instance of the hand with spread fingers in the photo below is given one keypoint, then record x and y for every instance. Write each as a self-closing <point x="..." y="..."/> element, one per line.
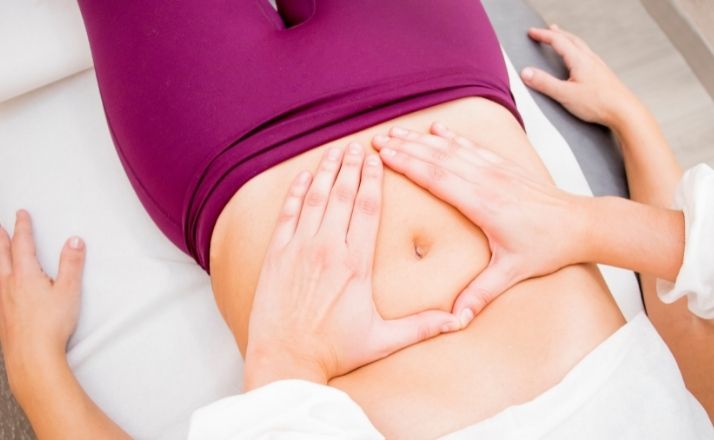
<point x="38" y="314"/>
<point x="532" y="227"/>
<point x="592" y="92"/>
<point x="313" y="315"/>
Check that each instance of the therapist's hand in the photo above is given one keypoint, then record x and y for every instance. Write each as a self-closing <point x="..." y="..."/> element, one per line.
<point x="592" y="92"/>
<point x="37" y="313"/>
<point x="532" y="227"/>
<point x="313" y="316"/>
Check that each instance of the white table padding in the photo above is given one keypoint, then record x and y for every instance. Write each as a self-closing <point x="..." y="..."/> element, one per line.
<point x="41" y="41"/>
<point x="151" y="346"/>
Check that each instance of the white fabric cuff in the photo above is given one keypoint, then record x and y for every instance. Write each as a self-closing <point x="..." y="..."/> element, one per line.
<point x="695" y="196"/>
<point x="287" y="409"/>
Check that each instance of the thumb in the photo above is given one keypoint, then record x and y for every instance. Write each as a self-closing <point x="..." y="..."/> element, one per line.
<point x="490" y="283"/>
<point x="545" y="83"/>
<point x="403" y="332"/>
<point x="69" y="275"/>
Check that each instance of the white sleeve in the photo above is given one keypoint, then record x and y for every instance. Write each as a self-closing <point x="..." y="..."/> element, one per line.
<point x="695" y="196"/>
<point x="287" y="409"/>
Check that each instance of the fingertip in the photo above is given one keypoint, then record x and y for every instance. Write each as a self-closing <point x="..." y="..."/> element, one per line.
<point x="535" y="31"/>
<point x="303" y="177"/>
<point x="387" y="153"/>
<point x="440" y="129"/>
<point x="554" y="27"/>
<point x="465" y="317"/>
<point x="22" y="216"/>
<point x="398" y="132"/>
<point x="451" y="325"/>
<point x="354" y="149"/>
<point x="527" y="74"/>
<point x="333" y="154"/>
<point x="380" y="141"/>
<point x="76" y="243"/>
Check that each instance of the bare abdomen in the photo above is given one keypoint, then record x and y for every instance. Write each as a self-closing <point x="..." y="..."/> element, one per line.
<point x="518" y="347"/>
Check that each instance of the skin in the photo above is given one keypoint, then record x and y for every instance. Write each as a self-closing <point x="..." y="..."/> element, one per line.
<point x="533" y="228"/>
<point x="317" y="275"/>
<point x="653" y="174"/>
<point x="427" y="252"/>
<point x="38" y="314"/>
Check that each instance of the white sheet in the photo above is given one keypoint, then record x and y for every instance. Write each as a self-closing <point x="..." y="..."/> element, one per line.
<point x="151" y="346"/>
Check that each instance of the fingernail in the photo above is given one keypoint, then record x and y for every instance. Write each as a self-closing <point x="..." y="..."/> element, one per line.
<point x="381" y="140"/>
<point x="333" y="154"/>
<point x="75" y="243"/>
<point x="373" y="160"/>
<point x="465" y="317"/>
<point x="355" y="148"/>
<point x="388" y="152"/>
<point x="439" y="126"/>
<point x="554" y="27"/>
<point x="527" y="73"/>
<point x="398" y="131"/>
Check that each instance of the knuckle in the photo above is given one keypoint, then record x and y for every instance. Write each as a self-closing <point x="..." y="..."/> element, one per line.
<point x="479" y="300"/>
<point x="329" y="166"/>
<point x="423" y="331"/>
<point x="356" y="264"/>
<point x="315" y="198"/>
<point x="344" y="193"/>
<point x="371" y="173"/>
<point x="368" y="205"/>
<point x="352" y="161"/>
<point x="318" y="255"/>
<point x="435" y="172"/>
<point x="440" y="155"/>
<point x="285" y="216"/>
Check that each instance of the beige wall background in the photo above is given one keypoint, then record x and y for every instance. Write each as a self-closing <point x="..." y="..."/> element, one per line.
<point x="630" y="40"/>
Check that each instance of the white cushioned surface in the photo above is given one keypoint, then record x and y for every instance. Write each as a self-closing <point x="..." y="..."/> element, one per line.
<point x="41" y="41"/>
<point x="151" y="346"/>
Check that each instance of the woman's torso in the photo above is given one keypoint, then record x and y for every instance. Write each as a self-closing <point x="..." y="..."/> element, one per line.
<point x="518" y="347"/>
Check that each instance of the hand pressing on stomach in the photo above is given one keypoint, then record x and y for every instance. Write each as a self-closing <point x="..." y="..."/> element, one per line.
<point x="313" y="316"/>
<point x="532" y="227"/>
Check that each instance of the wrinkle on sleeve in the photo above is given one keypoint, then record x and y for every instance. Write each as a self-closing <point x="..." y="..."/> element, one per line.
<point x="695" y="196"/>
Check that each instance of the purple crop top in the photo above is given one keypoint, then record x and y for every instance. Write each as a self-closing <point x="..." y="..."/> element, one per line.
<point x="202" y="95"/>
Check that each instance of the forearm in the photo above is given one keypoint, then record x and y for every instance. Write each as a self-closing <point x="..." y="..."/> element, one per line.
<point x="643" y="238"/>
<point x="652" y="169"/>
<point x="58" y="407"/>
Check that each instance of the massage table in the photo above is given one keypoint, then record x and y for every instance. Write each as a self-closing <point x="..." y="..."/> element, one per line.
<point x="150" y="346"/>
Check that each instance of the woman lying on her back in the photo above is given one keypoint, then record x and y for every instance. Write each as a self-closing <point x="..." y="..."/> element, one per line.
<point x="330" y="277"/>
